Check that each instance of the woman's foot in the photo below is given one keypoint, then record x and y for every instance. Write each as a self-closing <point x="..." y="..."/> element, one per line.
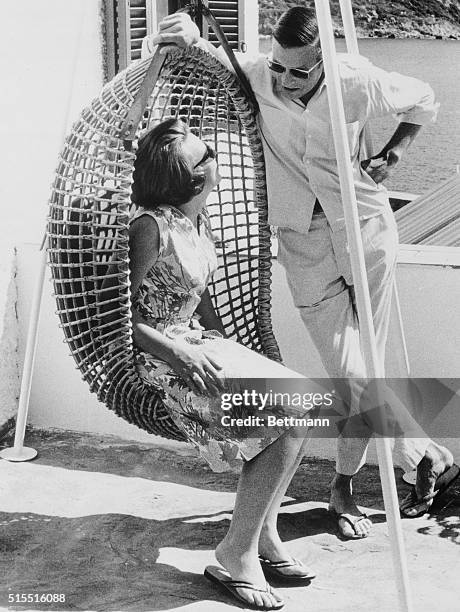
<point x="243" y="565"/>
<point x="436" y="461"/>
<point x="279" y="563"/>
<point x="351" y="522"/>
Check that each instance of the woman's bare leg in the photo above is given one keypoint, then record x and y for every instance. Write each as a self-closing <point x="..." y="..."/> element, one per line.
<point x="270" y="545"/>
<point x="258" y="488"/>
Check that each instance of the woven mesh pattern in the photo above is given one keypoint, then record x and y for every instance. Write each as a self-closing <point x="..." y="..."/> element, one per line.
<point x="88" y="226"/>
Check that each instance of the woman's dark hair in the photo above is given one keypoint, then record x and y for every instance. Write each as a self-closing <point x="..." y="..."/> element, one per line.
<point x="162" y="173"/>
<point x="297" y="27"/>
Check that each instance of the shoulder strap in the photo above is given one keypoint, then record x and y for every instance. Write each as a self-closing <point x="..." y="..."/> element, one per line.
<point x="244" y="81"/>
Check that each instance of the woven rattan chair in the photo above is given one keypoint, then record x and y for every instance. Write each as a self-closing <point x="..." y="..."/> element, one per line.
<point x="88" y="225"/>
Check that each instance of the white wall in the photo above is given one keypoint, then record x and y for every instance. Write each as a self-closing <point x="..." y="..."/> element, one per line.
<point x="9" y="356"/>
<point x="430" y="299"/>
<point x="38" y="62"/>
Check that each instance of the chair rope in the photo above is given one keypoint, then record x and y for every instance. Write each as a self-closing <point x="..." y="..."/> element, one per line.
<point x="89" y="211"/>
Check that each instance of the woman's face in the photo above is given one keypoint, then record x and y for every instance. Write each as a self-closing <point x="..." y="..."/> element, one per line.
<point x="202" y="159"/>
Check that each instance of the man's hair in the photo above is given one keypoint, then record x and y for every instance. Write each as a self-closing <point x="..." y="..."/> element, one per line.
<point x="297" y="27"/>
<point x="162" y="173"/>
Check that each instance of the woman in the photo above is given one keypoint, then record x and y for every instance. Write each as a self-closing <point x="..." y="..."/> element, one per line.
<point x="180" y="349"/>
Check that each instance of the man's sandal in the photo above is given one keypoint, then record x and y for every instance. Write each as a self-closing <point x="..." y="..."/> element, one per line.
<point x="421" y="505"/>
<point x="351" y="520"/>
<point x="222" y="578"/>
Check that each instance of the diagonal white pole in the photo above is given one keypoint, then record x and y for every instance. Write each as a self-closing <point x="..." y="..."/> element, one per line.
<point x="367" y="334"/>
<point x="352" y="47"/>
<point x="349" y="26"/>
<point x="19" y="452"/>
<point x="351" y="40"/>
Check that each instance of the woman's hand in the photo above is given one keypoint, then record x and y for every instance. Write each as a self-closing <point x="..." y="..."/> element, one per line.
<point x="201" y="373"/>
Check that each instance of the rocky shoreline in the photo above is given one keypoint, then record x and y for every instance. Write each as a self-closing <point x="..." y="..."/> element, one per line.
<point x="438" y="19"/>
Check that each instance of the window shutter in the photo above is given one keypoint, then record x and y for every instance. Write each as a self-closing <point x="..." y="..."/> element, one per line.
<point x="127" y="23"/>
<point x="134" y="23"/>
<point x="227" y="13"/>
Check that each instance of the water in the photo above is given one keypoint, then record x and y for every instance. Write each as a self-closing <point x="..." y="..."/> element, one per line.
<point x="435" y="153"/>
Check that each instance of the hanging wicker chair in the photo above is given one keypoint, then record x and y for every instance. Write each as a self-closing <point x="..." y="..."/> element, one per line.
<point x="88" y="225"/>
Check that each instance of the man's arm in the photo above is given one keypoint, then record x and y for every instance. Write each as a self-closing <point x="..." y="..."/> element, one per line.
<point x="380" y="166"/>
<point x="412" y="101"/>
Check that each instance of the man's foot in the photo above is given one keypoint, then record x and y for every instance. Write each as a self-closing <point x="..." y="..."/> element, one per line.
<point x="432" y="471"/>
<point x="351" y="522"/>
<point x="276" y="560"/>
<point x="351" y="527"/>
<point x="244" y="567"/>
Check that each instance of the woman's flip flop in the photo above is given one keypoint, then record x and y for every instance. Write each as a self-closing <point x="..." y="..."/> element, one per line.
<point x="222" y="578"/>
<point x="277" y="569"/>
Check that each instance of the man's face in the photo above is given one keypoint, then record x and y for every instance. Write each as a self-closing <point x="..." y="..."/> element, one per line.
<point x="305" y="57"/>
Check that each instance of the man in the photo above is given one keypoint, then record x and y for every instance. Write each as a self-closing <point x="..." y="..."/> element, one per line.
<point x="305" y="204"/>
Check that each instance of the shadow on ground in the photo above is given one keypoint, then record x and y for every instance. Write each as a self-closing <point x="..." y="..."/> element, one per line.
<point x="153" y="558"/>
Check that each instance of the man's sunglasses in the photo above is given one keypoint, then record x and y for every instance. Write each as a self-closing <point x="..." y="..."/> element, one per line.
<point x="209" y="154"/>
<point x="298" y="73"/>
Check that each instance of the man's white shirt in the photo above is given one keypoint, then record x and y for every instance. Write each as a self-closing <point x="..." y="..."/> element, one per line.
<point x="298" y="144"/>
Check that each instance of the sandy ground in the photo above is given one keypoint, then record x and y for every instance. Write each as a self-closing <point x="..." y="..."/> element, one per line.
<point x="119" y="526"/>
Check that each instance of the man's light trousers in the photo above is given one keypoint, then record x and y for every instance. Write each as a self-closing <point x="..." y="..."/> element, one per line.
<point x="318" y="271"/>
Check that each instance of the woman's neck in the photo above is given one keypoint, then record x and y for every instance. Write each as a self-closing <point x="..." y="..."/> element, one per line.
<point x="193" y="208"/>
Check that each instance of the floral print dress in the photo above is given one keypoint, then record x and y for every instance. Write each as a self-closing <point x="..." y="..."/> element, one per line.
<point x="167" y="299"/>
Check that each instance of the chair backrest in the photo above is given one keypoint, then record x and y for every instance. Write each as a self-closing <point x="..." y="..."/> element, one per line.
<point x="88" y="225"/>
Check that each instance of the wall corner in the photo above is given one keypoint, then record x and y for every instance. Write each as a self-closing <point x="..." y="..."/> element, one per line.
<point x="9" y="339"/>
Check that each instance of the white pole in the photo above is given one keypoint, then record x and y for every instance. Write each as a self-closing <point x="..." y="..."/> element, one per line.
<point x="401" y="328"/>
<point x="19" y="452"/>
<point x="367" y="334"/>
<point x="351" y="40"/>
<point x="349" y="27"/>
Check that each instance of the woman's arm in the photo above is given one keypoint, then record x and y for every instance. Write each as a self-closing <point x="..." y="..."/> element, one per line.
<point x="144" y="248"/>
<point x="199" y="372"/>
<point x="208" y="316"/>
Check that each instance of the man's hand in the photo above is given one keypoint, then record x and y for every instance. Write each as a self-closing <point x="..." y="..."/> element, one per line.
<point x="382" y="165"/>
<point x="379" y="167"/>
<point x="176" y="30"/>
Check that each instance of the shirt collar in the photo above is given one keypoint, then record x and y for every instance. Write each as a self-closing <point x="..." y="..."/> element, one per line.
<point x="298" y="102"/>
<point x="317" y="88"/>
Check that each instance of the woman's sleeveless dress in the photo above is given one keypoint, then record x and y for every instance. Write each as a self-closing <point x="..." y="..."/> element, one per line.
<point x="167" y="299"/>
